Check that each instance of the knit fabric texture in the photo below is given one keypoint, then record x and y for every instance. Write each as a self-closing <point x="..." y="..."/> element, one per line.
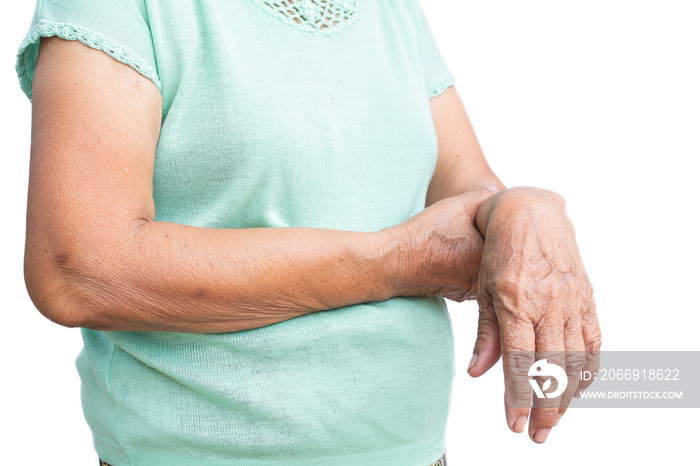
<point x="291" y="113"/>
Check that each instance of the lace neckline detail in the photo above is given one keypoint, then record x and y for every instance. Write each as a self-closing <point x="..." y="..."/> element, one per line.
<point x="317" y="16"/>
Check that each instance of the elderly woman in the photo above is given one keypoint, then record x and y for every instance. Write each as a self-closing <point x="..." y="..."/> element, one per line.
<point x="254" y="210"/>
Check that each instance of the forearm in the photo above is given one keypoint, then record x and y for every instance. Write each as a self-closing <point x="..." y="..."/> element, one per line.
<point x="171" y="277"/>
<point x="461" y="165"/>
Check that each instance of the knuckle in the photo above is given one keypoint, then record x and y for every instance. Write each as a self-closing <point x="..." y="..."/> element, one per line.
<point x="595" y="339"/>
<point x="573" y="341"/>
<point x="586" y="288"/>
<point x="546" y="416"/>
<point x="575" y="361"/>
<point x="515" y="338"/>
<point x="461" y="204"/>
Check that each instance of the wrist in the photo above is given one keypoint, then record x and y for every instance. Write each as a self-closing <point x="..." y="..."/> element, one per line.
<point x="515" y="201"/>
<point x="525" y="196"/>
<point x="396" y="269"/>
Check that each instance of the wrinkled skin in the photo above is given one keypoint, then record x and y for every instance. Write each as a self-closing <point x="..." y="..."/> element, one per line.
<point x="534" y="296"/>
<point x="535" y="299"/>
<point x="531" y="286"/>
<point x="441" y="255"/>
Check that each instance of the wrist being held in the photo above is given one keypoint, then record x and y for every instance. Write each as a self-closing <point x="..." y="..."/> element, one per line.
<point x="521" y="199"/>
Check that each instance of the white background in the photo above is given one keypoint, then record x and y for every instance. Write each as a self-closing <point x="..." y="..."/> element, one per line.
<point x="597" y="100"/>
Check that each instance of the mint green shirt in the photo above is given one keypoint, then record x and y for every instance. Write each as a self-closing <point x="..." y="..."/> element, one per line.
<point x="272" y="120"/>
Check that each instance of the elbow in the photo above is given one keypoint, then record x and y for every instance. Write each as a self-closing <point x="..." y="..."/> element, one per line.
<point x="60" y="290"/>
<point x="50" y="293"/>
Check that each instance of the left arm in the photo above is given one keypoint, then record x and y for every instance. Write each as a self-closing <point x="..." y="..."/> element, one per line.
<point x="461" y="165"/>
<point x="533" y="291"/>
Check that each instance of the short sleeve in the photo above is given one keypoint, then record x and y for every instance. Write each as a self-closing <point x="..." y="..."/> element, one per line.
<point x="436" y="73"/>
<point x="117" y="27"/>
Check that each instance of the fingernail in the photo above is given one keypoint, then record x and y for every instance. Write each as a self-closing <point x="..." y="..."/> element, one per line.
<point x="491" y="187"/>
<point x="519" y="424"/>
<point x="541" y="435"/>
<point x="473" y="362"/>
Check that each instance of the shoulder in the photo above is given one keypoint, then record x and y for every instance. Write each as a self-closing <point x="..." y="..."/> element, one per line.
<point x="119" y="28"/>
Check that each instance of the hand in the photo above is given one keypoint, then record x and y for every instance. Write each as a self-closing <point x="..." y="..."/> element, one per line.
<point x="442" y="248"/>
<point x="535" y="302"/>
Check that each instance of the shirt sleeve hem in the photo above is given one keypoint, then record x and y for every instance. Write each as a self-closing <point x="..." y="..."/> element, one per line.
<point x="439" y="86"/>
<point x="47" y="28"/>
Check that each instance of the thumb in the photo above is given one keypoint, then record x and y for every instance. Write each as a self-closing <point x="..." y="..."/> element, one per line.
<point x="475" y="197"/>
<point x="487" y="349"/>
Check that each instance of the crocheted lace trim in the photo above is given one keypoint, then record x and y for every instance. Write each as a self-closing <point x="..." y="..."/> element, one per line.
<point x="441" y="84"/>
<point x="47" y="28"/>
<point x="316" y="16"/>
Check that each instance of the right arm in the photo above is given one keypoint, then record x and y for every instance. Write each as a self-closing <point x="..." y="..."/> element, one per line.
<point x="95" y="256"/>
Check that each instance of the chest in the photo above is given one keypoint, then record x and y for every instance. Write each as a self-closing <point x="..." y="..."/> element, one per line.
<point x="255" y="107"/>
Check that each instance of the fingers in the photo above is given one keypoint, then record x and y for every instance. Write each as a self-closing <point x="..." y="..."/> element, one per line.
<point x="518" y="392"/>
<point x="575" y="361"/>
<point x="560" y="345"/>
<point x="517" y="348"/>
<point x="487" y="349"/>
<point x="551" y="360"/>
<point x="590" y="329"/>
<point x="474" y="197"/>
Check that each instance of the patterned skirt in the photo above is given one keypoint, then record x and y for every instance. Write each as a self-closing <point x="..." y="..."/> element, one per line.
<point x="441" y="462"/>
